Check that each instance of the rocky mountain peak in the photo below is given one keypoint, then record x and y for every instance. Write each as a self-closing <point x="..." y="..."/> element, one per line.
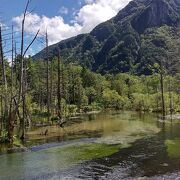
<point x="151" y="13"/>
<point x="128" y="42"/>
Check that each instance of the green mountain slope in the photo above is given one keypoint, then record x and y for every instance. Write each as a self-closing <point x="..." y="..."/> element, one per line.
<point x="142" y="34"/>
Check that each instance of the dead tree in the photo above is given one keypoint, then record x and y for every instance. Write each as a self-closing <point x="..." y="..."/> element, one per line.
<point x="22" y="85"/>
<point x="59" y="87"/>
<point x="15" y="64"/>
<point x="51" y="87"/>
<point x="11" y="116"/>
<point x="5" y="87"/>
<point x="47" y="78"/>
<point x="1" y="123"/>
<point x="21" y="82"/>
<point x="162" y="89"/>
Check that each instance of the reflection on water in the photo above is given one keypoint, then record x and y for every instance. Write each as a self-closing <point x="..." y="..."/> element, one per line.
<point x="105" y="125"/>
<point x="120" y="145"/>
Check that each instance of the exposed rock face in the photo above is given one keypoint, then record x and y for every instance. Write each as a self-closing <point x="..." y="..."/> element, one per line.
<point x="156" y="14"/>
<point x="127" y="42"/>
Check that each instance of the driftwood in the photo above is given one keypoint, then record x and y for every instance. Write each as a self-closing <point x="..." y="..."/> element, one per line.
<point x="62" y="122"/>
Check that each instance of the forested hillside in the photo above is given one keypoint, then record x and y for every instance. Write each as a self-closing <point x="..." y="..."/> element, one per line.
<point x="145" y="32"/>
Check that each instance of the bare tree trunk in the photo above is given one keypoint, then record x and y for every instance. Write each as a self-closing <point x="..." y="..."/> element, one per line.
<point x="1" y="125"/>
<point x="4" y="79"/>
<point x="11" y="116"/>
<point x="170" y="97"/>
<point x="47" y="79"/>
<point x="26" y="109"/>
<point x="162" y="90"/>
<point x="66" y="88"/>
<point x="157" y="99"/>
<point x="51" y="87"/>
<point x="15" y="64"/>
<point x="59" y="88"/>
<point x="22" y="84"/>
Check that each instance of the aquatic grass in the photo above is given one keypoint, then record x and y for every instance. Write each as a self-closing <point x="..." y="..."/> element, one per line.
<point x="95" y="150"/>
<point x="77" y="153"/>
<point x="173" y="148"/>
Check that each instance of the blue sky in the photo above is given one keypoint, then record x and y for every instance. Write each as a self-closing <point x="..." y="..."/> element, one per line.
<point x="61" y="18"/>
<point x="50" y="8"/>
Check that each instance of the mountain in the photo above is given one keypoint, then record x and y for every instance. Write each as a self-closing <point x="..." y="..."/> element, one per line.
<point x="140" y="35"/>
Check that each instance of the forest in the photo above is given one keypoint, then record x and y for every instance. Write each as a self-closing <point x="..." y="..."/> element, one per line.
<point x="56" y="91"/>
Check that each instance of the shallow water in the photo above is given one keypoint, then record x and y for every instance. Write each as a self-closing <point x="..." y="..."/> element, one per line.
<point x="113" y="145"/>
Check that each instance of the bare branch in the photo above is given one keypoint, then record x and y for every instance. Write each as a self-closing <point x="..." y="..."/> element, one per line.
<point x="31" y="43"/>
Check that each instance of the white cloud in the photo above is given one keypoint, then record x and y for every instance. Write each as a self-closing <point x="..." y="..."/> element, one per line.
<point x="90" y="15"/>
<point x="63" y="10"/>
<point x="97" y="11"/>
<point x="56" y="27"/>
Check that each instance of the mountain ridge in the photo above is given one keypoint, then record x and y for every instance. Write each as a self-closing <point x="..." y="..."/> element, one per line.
<point x="119" y="44"/>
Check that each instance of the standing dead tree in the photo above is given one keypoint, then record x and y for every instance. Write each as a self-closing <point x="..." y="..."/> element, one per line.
<point x="22" y="84"/>
<point x="11" y="112"/>
<point x="47" y="78"/>
<point x="59" y="93"/>
<point x="162" y="88"/>
<point x="4" y="80"/>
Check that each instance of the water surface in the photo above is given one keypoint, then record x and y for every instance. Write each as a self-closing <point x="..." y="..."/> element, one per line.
<point x="113" y="145"/>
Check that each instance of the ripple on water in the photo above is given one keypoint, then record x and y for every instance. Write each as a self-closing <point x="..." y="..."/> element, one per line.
<point x="122" y="147"/>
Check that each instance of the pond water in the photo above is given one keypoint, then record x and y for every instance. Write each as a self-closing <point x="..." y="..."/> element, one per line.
<point x="108" y="145"/>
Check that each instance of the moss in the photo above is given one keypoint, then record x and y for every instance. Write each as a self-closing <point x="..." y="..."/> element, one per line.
<point x="173" y="148"/>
